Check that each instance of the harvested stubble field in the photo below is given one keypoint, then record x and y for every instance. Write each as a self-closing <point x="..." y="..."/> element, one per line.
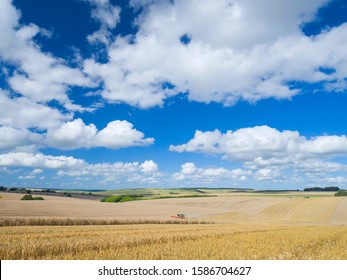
<point x="245" y="227"/>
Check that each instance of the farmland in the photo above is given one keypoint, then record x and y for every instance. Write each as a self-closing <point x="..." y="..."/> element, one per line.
<point x="226" y="226"/>
<point x="174" y="242"/>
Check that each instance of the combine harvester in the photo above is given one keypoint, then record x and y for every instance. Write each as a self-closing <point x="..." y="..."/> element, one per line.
<point x="178" y="216"/>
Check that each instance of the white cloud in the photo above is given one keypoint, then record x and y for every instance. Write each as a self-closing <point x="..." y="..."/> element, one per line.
<point x="238" y="50"/>
<point x="337" y="180"/>
<point x="78" y="168"/>
<point x="108" y="170"/>
<point x="119" y="134"/>
<point x="263" y="145"/>
<point x="188" y="168"/>
<point x="39" y="161"/>
<point x="189" y="171"/>
<point x="317" y="166"/>
<point x="104" y="12"/>
<point x="244" y="144"/>
<point x="268" y="174"/>
<point x="116" y="172"/>
<point x="32" y="174"/>
<point x="27" y="177"/>
<point x="72" y="135"/>
<point x="38" y="76"/>
<point x="76" y="134"/>
<point x="233" y="23"/>
<point x="21" y="112"/>
<point x="149" y="166"/>
<point x="326" y="145"/>
<point x="205" y="142"/>
<point x="145" y="172"/>
<point x="121" y="87"/>
<point x="37" y="79"/>
<point x="107" y="15"/>
<point x="18" y="139"/>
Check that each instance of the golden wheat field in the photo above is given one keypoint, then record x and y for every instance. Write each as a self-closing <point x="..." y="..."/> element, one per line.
<point x="174" y="242"/>
<point x="223" y="227"/>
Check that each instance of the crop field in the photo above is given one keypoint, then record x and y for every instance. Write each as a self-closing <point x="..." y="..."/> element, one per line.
<point x="174" y="242"/>
<point x="242" y="208"/>
<point x="228" y="226"/>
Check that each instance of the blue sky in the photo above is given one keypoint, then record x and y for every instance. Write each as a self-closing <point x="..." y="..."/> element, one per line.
<point x="101" y="94"/>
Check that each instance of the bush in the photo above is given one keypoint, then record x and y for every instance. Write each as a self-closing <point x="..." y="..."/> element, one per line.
<point x="27" y="197"/>
<point x="341" y="193"/>
<point x="30" y="197"/>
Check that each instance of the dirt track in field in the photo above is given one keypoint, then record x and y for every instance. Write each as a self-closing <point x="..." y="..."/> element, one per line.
<point x="231" y="209"/>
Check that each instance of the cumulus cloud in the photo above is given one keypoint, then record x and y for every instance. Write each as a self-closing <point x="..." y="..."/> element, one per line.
<point x="237" y="50"/>
<point x="72" y="135"/>
<point x="271" y="155"/>
<point x="188" y="168"/>
<point x="319" y="167"/>
<point x="334" y="180"/>
<point x="76" y="134"/>
<point x="32" y="175"/>
<point x="189" y="171"/>
<point x="107" y="15"/>
<point x="104" y="12"/>
<point x="39" y="161"/>
<point x="268" y="174"/>
<point x="119" y="134"/>
<point x="263" y="145"/>
<point x="70" y="166"/>
<point x="22" y="112"/>
<point x="18" y="139"/>
<point x="241" y="24"/>
<point x="149" y="166"/>
<point x="39" y="76"/>
<point x="19" y="114"/>
<point x="34" y="79"/>
<point x="109" y="170"/>
<point x="205" y="142"/>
